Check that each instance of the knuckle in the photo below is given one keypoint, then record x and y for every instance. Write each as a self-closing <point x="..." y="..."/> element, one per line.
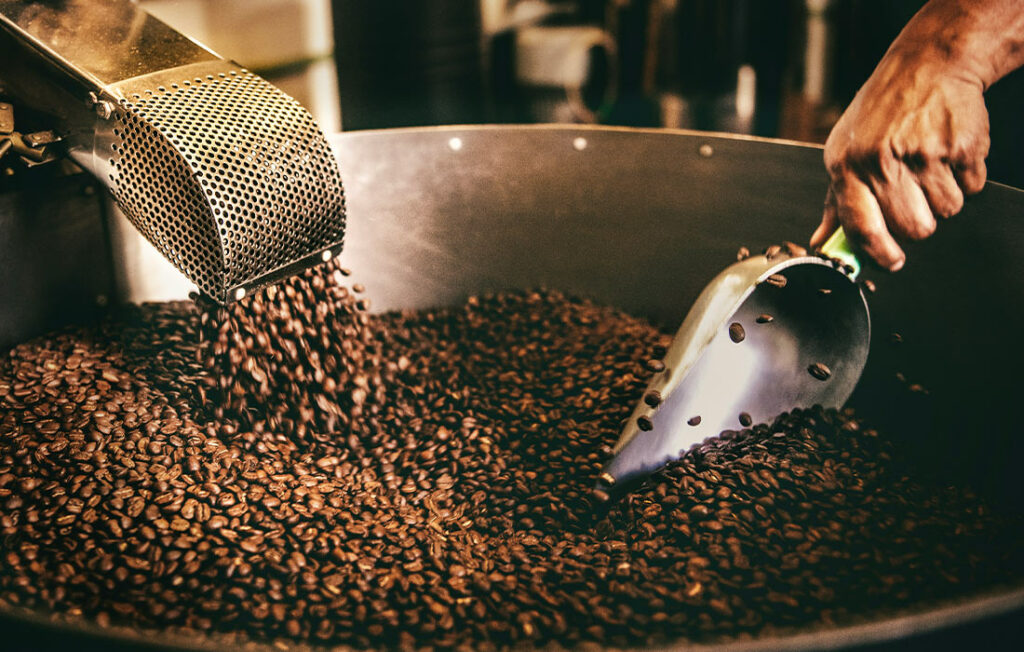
<point x="835" y="163"/>
<point x="870" y="161"/>
<point x="862" y="235"/>
<point x="874" y="241"/>
<point x="982" y="143"/>
<point x="856" y="158"/>
<point x="918" y="161"/>
<point x="970" y="148"/>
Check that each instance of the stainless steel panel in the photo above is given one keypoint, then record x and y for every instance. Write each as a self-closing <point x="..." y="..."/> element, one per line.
<point x="639" y="219"/>
<point x="109" y="41"/>
<point x="55" y="264"/>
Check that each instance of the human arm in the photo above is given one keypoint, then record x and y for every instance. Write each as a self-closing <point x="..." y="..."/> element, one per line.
<point x="914" y="140"/>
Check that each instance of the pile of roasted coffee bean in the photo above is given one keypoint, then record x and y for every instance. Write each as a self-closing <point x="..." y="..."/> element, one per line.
<point x="294" y="469"/>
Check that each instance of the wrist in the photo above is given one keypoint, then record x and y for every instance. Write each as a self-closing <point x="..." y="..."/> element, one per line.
<point x="978" y="41"/>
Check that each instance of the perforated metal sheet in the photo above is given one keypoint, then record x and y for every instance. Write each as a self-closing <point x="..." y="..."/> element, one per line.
<point x="229" y="177"/>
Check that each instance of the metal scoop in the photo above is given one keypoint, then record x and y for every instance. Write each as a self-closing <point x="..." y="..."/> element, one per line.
<point x="768" y="334"/>
<point x="229" y="177"/>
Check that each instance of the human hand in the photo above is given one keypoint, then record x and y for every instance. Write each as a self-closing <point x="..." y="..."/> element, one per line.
<point x="908" y="148"/>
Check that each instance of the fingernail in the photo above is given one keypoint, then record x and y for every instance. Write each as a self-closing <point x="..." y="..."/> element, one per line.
<point x="898" y="265"/>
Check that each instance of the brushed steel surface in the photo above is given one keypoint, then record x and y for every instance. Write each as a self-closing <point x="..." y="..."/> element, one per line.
<point x="710" y="379"/>
<point x="639" y="219"/>
<point x="55" y="262"/>
<point x="102" y="42"/>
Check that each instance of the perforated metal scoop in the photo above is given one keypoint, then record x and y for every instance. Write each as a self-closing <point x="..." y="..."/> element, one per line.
<point x="768" y="334"/>
<point x="229" y="177"/>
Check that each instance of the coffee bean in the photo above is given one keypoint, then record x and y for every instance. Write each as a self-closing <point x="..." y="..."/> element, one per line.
<point x="657" y="366"/>
<point x="293" y="469"/>
<point x="742" y="254"/>
<point x="736" y="332"/>
<point x="777" y="280"/>
<point x="820" y="371"/>
<point x="644" y="423"/>
<point x="764" y="318"/>
<point x="47" y="427"/>
<point x="745" y="420"/>
<point x="699" y="511"/>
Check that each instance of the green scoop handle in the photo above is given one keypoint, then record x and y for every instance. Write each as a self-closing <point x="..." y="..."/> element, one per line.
<point x="837" y="246"/>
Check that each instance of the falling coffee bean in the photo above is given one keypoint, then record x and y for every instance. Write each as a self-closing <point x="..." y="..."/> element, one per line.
<point x="694" y="421"/>
<point x="745" y="420"/>
<point x="652" y="398"/>
<point x="736" y="332"/>
<point x="820" y="371"/>
<point x="764" y="318"/>
<point x="644" y="423"/>
<point x="656" y="366"/>
<point x="777" y="280"/>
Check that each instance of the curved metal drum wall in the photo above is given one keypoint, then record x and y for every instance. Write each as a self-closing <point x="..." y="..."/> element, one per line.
<point x="644" y="219"/>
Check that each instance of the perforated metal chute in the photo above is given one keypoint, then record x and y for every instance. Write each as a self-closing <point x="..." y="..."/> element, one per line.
<point x="229" y="177"/>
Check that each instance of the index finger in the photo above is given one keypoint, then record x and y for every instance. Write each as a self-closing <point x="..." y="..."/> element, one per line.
<point x="860" y="214"/>
<point x="829" y="221"/>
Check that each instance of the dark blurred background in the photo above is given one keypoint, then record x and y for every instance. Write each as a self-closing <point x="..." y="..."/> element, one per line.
<point x="777" y="68"/>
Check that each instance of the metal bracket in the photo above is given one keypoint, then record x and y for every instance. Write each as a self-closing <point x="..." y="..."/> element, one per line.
<point x="37" y="148"/>
<point x="6" y="118"/>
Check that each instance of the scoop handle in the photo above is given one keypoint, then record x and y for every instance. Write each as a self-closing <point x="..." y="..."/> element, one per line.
<point x="837" y="246"/>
